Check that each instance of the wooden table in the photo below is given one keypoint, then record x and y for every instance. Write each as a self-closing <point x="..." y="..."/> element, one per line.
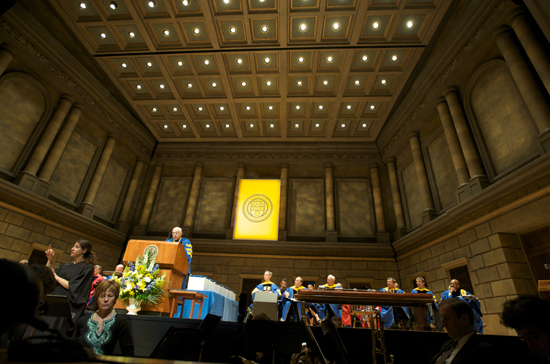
<point x="176" y="294"/>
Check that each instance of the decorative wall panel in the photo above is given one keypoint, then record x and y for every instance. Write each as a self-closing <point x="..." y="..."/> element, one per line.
<point x="355" y="215"/>
<point x="306" y="207"/>
<point x="216" y="202"/>
<point x="109" y="195"/>
<point x="412" y="196"/>
<point x="170" y="203"/>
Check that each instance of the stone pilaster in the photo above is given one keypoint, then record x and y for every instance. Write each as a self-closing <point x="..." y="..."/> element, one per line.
<point x="122" y="222"/>
<point x="429" y="212"/>
<point x="141" y="228"/>
<point x="193" y="199"/>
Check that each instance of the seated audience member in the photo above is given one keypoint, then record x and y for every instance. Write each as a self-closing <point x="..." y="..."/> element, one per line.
<point x="337" y="309"/>
<point x="394" y="317"/>
<point x="454" y="291"/>
<point x="287" y="297"/>
<point x="119" y="269"/>
<point x="465" y="346"/>
<point x="422" y="287"/>
<point x="98" y="278"/>
<point x="266" y="285"/>
<point x="24" y="262"/>
<point x="530" y="317"/>
<point x="105" y="327"/>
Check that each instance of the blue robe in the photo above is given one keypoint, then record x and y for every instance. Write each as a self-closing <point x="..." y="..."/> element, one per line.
<point x="425" y="290"/>
<point x="266" y="286"/>
<point x="388" y="312"/>
<point x="286" y="302"/>
<point x="336" y="308"/>
<point x="189" y="254"/>
<point x="473" y="302"/>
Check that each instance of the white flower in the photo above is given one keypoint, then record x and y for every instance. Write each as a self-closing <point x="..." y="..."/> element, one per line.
<point x="147" y="279"/>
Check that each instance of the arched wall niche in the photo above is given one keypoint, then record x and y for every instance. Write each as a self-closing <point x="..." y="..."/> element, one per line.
<point x="503" y="128"/>
<point x="25" y="109"/>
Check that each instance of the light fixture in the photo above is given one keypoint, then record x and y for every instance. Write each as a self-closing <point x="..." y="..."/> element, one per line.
<point x="357" y="82"/>
<point x="300" y="59"/>
<point x="383" y="82"/>
<point x="226" y="1"/>
<point x="364" y="125"/>
<point x="185" y="2"/>
<point x="214" y="84"/>
<point x="166" y="32"/>
<point x="299" y="83"/>
<point x="161" y="86"/>
<point x="251" y="125"/>
<point x="270" y="107"/>
<point x="103" y="35"/>
<point x="325" y="82"/>
<point x="196" y="31"/>
<point x="152" y="3"/>
<point x="375" y="25"/>
<point x="227" y="126"/>
<point x="123" y="65"/>
<point x="303" y="27"/>
<point x="207" y="125"/>
<point x="222" y="108"/>
<point x="343" y="125"/>
<point x="335" y="26"/>
<point x="410" y="24"/>
<point x="175" y="109"/>
<point x="180" y="64"/>
<point x="348" y="107"/>
<point x="248" y="108"/>
<point x="296" y="125"/>
<point x="267" y="60"/>
<point x="264" y="28"/>
<point x="372" y="107"/>
<point x="239" y="61"/>
<point x="271" y="126"/>
<point x="165" y="126"/>
<point x="184" y="126"/>
<point x="149" y="64"/>
<point x="189" y="85"/>
<point x="154" y="109"/>
<point x="206" y="62"/>
<point x="243" y="84"/>
<point x="297" y="107"/>
<point x="394" y="58"/>
<point x="131" y="34"/>
<point x="138" y="87"/>
<point x="113" y="5"/>
<point x="199" y="108"/>
<point x="364" y="58"/>
<point x="329" y="59"/>
<point x="321" y="107"/>
<point x="268" y="83"/>
<point x="232" y="30"/>
<point x="317" y="125"/>
<point x="83" y="6"/>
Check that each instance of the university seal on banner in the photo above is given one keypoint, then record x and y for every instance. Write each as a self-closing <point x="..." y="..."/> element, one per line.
<point x="257" y="208"/>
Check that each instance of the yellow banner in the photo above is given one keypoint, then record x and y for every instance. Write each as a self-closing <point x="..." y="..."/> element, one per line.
<point x="257" y="210"/>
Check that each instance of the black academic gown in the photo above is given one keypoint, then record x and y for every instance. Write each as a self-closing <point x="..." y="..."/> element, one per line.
<point x="80" y="277"/>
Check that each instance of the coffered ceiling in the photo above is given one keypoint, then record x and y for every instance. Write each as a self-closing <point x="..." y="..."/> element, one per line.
<point x="257" y="70"/>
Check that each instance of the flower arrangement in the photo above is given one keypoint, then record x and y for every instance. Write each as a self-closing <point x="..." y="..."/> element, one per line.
<point x="142" y="281"/>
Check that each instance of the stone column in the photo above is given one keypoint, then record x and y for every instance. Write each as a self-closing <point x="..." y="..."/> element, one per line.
<point x="429" y="212"/>
<point x="396" y="197"/>
<point x="283" y="202"/>
<point x="5" y="59"/>
<point x="382" y="236"/>
<point x="456" y="151"/>
<point x="527" y="84"/>
<point x="240" y="175"/>
<point x="122" y="222"/>
<point x="86" y="208"/>
<point x="59" y="147"/>
<point x="141" y="228"/>
<point x="193" y="198"/>
<point x="331" y="235"/>
<point x="534" y="48"/>
<point x="27" y="178"/>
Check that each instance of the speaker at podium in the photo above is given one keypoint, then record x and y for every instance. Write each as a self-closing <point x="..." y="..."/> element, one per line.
<point x="265" y="302"/>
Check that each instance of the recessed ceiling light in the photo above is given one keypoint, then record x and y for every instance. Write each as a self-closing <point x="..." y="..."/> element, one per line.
<point x="372" y="107"/>
<point x="196" y="31"/>
<point x="206" y="62"/>
<point x="299" y="83"/>
<point x="239" y="61"/>
<point x="185" y="2"/>
<point x="189" y="85"/>
<point x="226" y="1"/>
<point x="270" y="107"/>
<point x="364" y="58"/>
<point x="207" y="125"/>
<point x="103" y="35"/>
<point x="329" y="59"/>
<point x="364" y="125"/>
<point x="410" y="24"/>
<point x="264" y="28"/>
<point x="321" y="107"/>
<point x="248" y="108"/>
<point x="335" y="26"/>
<point x="232" y="30"/>
<point x="348" y="107"/>
<point x="383" y="82"/>
<point x="267" y="60"/>
<point x="83" y="6"/>
<point x="303" y="27"/>
<point x="131" y="34"/>
<point x="296" y="125"/>
<point x="184" y="126"/>
<point x="300" y="59"/>
<point x="154" y="109"/>
<point x="357" y="82"/>
<point x="375" y="25"/>
<point x="113" y="5"/>
<point x="161" y="86"/>
<point x="297" y="107"/>
<point x="394" y="58"/>
<point x="317" y="125"/>
<point x="251" y="125"/>
<point x="271" y="126"/>
<point x="222" y="108"/>
<point x="325" y="82"/>
<point x="149" y="64"/>
<point x="227" y="126"/>
<point x="262" y="1"/>
<point x="243" y="84"/>
<point x="268" y="83"/>
<point x="138" y="87"/>
<point x="123" y="65"/>
<point x="152" y="3"/>
<point x="165" y="126"/>
<point x="175" y="109"/>
<point x="199" y="108"/>
<point x="166" y="32"/>
<point x="214" y="84"/>
<point x="180" y="64"/>
<point x="343" y="125"/>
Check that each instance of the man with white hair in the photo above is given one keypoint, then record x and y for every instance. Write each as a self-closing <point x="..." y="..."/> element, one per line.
<point x="177" y="237"/>
<point x="337" y="309"/>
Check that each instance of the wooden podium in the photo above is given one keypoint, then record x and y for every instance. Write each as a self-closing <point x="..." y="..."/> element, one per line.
<point x="172" y="261"/>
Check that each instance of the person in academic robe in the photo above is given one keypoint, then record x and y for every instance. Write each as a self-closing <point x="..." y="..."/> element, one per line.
<point x="422" y="287"/>
<point x="74" y="279"/>
<point x="105" y="328"/>
<point x="455" y="291"/>
<point x="267" y="286"/>
<point x="312" y="309"/>
<point x="286" y="300"/>
<point x="337" y="309"/>
<point x="177" y="237"/>
<point x="396" y="317"/>
<point x="98" y="278"/>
